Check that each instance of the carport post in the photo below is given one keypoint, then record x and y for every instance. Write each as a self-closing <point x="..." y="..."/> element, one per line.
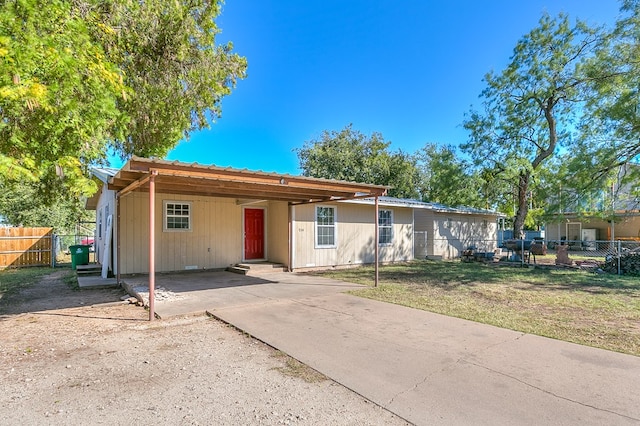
<point x="152" y="243"/>
<point x="375" y="243"/>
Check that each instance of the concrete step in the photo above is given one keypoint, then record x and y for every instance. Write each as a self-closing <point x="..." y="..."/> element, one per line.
<point x="256" y="268"/>
<point x="90" y="269"/>
<point x="237" y="270"/>
<point x="96" y="282"/>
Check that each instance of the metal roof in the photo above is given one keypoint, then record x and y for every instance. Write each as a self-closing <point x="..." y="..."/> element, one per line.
<point x="203" y="180"/>
<point x="175" y="177"/>
<point x="104" y="173"/>
<point x="437" y="207"/>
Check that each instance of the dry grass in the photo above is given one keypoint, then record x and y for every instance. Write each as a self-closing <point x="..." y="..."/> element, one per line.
<point x="598" y="310"/>
<point x="294" y="368"/>
<point x="14" y="280"/>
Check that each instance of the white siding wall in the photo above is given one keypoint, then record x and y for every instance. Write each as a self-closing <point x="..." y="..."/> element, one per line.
<point x="355" y="230"/>
<point x="106" y="206"/>
<point x="450" y="233"/>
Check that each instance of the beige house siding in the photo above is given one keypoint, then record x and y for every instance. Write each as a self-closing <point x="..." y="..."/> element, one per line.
<point x="214" y="241"/>
<point x="626" y="227"/>
<point x="423" y="233"/>
<point x="355" y="229"/>
<point x="447" y="234"/>
<point x="278" y="232"/>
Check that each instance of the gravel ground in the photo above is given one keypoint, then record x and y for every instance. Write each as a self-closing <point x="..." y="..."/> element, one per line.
<point x="83" y="357"/>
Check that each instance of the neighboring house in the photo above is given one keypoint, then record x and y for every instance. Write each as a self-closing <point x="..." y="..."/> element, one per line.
<point x="212" y="218"/>
<point x="589" y="225"/>
<point x="574" y="227"/>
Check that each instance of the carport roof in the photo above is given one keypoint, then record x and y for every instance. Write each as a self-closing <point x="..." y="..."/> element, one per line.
<point x="174" y="177"/>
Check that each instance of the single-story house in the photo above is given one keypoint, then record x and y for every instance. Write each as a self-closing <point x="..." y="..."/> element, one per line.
<point x="573" y="227"/>
<point x="620" y="201"/>
<point x="443" y="232"/>
<point x="207" y="217"/>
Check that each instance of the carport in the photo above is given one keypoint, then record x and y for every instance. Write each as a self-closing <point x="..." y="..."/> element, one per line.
<point x="173" y="177"/>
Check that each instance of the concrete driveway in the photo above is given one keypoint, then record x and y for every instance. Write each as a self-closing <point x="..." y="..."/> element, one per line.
<point x="427" y="368"/>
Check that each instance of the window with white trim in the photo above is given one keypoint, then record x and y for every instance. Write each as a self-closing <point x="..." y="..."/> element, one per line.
<point x="325" y="226"/>
<point x="385" y="227"/>
<point x="177" y="216"/>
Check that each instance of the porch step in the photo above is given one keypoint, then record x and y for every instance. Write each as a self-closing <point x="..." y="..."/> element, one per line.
<point x="88" y="270"/>
<point x="94" y="282"/>
<point x="256" y="268"/>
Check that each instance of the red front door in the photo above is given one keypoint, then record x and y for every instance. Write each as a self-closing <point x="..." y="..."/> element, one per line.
<point x="253" y="234"/>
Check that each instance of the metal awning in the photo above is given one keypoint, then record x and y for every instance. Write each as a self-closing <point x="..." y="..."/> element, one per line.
<point x="173" y="177"/>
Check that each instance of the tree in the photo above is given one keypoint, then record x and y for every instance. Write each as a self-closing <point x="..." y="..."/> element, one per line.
<point x="58" y="94"/>
<point x="352" y="156"/>
<point x="20" y="206"/>
<point x="448" y="179"/>
<point x="529" y="108"/>
<point x="78" y="77"/>
<point x="81" y="77"/>
<point x="610" y="131"/>
<point x="175" y="72"/>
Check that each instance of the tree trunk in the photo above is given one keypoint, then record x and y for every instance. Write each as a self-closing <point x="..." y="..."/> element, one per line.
<point x="523" y="204"/>
<point x="525" y="175"/>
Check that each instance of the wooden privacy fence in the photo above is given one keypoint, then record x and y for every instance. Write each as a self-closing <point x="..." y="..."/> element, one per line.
<point x="26" y="247"/>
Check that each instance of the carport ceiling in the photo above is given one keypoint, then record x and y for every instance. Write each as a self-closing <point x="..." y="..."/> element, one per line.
<point x="173" y="177"/>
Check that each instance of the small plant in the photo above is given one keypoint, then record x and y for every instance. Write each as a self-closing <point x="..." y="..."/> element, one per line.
<point x="71" y="280"/>
<point x="294" y="368"/>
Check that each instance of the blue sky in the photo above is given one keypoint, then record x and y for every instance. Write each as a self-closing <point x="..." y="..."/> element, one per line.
<point x="409" y="69"/>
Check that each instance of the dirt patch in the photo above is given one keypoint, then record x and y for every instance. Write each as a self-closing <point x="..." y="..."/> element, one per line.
<point x="78" y="357"/>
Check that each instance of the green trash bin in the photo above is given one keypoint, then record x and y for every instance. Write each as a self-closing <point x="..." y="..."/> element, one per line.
<point x="79" y="255"/>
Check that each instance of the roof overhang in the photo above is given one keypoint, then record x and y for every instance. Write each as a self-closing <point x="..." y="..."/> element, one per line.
<point x="91" y="203"/>
<point x="173" y="177"/>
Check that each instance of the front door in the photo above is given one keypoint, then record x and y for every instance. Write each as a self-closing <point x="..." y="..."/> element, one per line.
<point x="253" y="234"/>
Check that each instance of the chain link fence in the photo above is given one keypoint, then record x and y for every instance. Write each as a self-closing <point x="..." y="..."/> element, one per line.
<point x="61" y="244"/>
<point x="619" y="256"/>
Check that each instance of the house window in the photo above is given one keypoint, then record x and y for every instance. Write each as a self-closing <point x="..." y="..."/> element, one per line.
<point x="325" y="226"/>
<point x="177" y="216"/>
<point x="385" y="226"/>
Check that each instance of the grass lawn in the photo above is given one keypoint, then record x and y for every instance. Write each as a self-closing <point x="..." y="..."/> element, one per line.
<point x="14" y="280"/>
<point x="598" y="310"/>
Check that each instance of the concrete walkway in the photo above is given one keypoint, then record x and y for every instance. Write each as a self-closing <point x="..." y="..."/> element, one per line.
<point x="428" y="368"/>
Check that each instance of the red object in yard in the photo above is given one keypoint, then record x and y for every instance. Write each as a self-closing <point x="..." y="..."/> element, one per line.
<point x="87" y="241"/>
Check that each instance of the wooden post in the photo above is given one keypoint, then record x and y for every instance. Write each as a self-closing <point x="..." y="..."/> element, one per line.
<point x="152" y="242"/>
<point x="377" y="238"/>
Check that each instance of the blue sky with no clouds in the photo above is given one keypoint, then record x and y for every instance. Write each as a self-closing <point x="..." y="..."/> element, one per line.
<point x="408" y="69"/>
